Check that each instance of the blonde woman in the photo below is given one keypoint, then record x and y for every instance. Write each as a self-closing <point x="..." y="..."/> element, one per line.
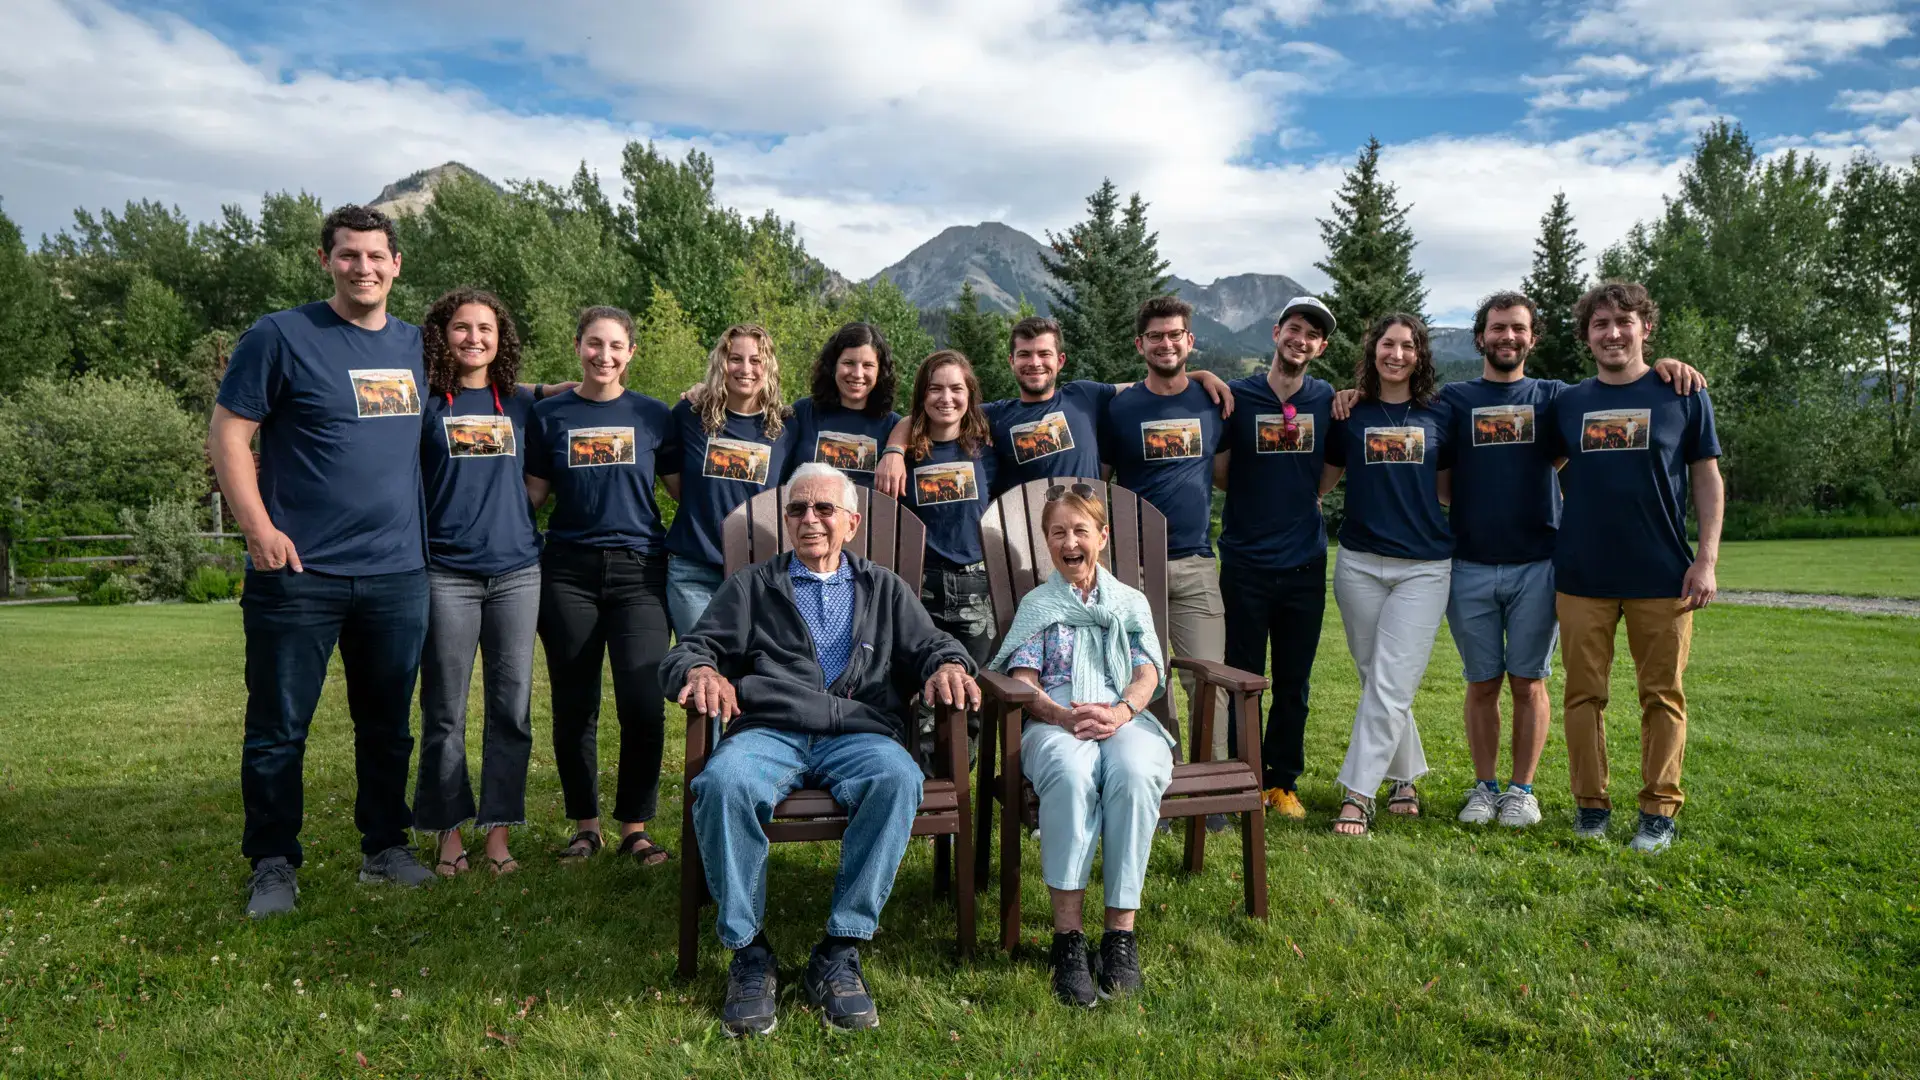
<point x="734" y="443"/>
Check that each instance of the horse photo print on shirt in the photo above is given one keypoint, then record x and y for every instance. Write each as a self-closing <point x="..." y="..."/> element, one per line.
<point x="951" y="482"/>
<point x="1041" y="438"/>
<point x="1396" y="445"/>
<point x="1616" y="429"/>
<point x="587" y="447"/>
<point x="848" y="453"/>
<point x="384" y="392"/>
<point x="734" y="459"/>
<point x="1270" y="434"/>
<point x="1501" y="425"/>
<point x="1164" y="439"/>
<point x="479" y="436"/>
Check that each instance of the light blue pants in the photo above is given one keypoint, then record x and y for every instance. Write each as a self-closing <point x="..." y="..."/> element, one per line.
<point x="1107" y="791"/>
<point x="690" y="588"/>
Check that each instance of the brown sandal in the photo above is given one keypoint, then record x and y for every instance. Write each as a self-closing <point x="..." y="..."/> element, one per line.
<point x="1403" y="793"/>
<point x="643" y="849"/>
<point x="584" y="845"/>
<point x="1365" y="820"/>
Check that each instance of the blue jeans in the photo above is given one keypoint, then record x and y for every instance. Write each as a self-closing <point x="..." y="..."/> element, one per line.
<point x="292" y="623"/>
<point x="495" y="615"/>
<point x="1503" y="619"/>
<point x="690" y="586"/>
<point x="872" y="776"/>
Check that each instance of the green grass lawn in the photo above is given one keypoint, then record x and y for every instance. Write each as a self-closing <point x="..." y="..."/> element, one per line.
<point x="1780" y="935"/>
<point x="1888" y="566"/>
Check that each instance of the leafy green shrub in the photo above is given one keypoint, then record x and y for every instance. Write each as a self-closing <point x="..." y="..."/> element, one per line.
<point x="167" y="540"/>
<point x="107" y="587"/>
<point x="1746" y="521"/>
<point x="98" y="442"/>
<point x="208" y="583"/>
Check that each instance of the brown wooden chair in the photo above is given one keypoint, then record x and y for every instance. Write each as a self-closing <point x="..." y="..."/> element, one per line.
<point x="890" y="536"/>
<point x="1017" y="560"/>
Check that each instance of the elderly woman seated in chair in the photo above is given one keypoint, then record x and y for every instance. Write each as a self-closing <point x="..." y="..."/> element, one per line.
<point x="1098" y="762"/>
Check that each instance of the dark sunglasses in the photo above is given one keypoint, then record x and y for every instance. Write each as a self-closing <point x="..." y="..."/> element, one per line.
<point x="822" y="510"/>
<point x="1085" y="491"/>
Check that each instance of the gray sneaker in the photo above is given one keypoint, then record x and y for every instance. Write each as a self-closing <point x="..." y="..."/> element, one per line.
<point x="1654" y="835"/>
<point x="1481" y="806"/>
<point x="272" y="888"/>
<point x="396" y="864"/>
<point x="1518" y="809"/>
<point x="1590" y="822"/>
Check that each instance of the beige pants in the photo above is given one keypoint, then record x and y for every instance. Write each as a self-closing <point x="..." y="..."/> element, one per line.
<point x="1659" y="634"/>
<point x="1198" y="626"/>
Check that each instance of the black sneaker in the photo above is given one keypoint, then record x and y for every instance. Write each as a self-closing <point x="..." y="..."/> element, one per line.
<point x="1072" y="974"/>
<point x="834" y="983"/>
<point x="1590" y="822"/>
<point x="752" y="987"/>
<point x="1119" y="964"/>
<point x="272" y="889"/>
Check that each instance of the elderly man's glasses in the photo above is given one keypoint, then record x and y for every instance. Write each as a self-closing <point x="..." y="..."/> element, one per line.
<point x="1055" y="492"/>
<point x="822" y="510"/>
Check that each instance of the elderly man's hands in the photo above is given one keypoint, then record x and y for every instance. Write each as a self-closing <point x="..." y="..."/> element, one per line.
<point x="951" y="685"/>
<point x="708" y="694"/>
<point x="1096" y="722"/>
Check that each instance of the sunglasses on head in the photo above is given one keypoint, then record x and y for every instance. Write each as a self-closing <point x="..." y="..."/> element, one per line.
<point x="1055" y="492"/>
<point x="822" y="510"/>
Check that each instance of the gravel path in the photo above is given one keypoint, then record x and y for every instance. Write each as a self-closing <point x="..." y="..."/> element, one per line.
<point x="1858" y="605"/>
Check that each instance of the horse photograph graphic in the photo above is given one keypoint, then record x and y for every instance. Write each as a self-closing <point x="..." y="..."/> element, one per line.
<point x="1396" y="445"/>
<point x="479" y="436"/>
<point x="857" y="453"/>
<point x="1163" y="439"/>
<point x="731" y="459"/>
<point x="384" y="392"/>
<point x="1499" y="425"/>
<point x="1616" y="429"/>
<point x="1270" y="434"/>
<point x="587" y="447"/>
<point x="952" y="482"/>
<point x="1039" y="438"/>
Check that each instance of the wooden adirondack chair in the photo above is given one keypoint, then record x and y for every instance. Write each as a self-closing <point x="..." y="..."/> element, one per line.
<point x="1017" y="560"/>
<point x="891" y="536"/>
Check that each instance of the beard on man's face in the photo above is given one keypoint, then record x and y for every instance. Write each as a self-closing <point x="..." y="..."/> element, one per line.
<point x="1288" y="365"/>
<point x="1504" y="360"/>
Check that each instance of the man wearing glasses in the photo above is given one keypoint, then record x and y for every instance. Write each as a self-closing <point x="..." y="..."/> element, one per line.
<point x="1273" y="541"/>
<point x="807" y="658"/>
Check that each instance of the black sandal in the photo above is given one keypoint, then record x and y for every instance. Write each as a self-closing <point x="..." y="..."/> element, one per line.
<point x="1365" y="820"/>
<point x="587" y="838"/>
<point x="1403" y="793"/>
<point x="503" y="867"/>
<point x="456" y="865"/>
<point x="643" y="849"/>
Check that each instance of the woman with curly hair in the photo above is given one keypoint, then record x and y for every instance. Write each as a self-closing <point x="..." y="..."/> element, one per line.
<point x="483" y="572"/>
<point x="734" y="440"/>
<point x="845" y="421"/>
<point x="1396" y="558"/>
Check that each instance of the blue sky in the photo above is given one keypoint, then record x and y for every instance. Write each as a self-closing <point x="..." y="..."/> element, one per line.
<point x="873" y="124"/>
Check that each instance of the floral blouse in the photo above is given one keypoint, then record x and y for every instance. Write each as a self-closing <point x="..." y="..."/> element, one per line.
<point x="1050" y="652"/>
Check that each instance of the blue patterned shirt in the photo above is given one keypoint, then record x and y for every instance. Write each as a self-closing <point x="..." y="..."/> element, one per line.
<point x="827" y="607"/>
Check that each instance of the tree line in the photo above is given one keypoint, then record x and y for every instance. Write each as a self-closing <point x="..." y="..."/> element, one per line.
<point x="1795" y="288"/>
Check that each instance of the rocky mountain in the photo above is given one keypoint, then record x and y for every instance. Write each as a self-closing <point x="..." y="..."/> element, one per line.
<point x="412" y="194"/>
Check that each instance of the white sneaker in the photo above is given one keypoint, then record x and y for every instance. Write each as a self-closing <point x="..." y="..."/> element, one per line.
<point x="1518" y="809"/>
<point x="1481" y="806"/>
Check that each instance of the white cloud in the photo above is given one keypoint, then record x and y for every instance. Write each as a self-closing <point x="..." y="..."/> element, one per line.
<point x="1742" y="44"/>
<point x="1252" y="17"/>
<point x="1881" y="102"/>
<point x="1617" y="66"/>
<point x="1591" y="99"/>
<point x="940" y="123"/>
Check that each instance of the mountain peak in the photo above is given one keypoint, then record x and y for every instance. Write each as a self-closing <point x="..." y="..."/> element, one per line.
<point x="411" y="194"/>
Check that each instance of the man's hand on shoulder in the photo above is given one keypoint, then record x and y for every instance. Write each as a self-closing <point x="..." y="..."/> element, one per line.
<point x="1217" y="389"/>
<point x="709" y="694"/>
<point x="1684" y="377"/>
<point x="951" y="685"/>
<point x="1343" y="402"/>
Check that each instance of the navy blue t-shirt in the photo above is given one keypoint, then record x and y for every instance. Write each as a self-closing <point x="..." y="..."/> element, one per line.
<point x="1624" y="531"/>
<point x="718" y="474"/>
<point x="1272" y="520"/>
<point x="472" y="463"/>
<point x="339" y="415"/>
<point x="847" y="440"/>
<point x="1162" y="447"/>
<point x="1506" y="500"/>
<point x="1393" y="454"/>
<point x="948" y="491"/>
<point x="1056" y="437"/>
<point x="601" y="458"/>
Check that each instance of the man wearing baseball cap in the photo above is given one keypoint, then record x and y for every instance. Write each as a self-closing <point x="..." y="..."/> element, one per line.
<point x="1273" y="541"/>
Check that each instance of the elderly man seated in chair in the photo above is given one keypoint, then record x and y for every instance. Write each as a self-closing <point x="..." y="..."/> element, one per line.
<point x="813" y="656"/>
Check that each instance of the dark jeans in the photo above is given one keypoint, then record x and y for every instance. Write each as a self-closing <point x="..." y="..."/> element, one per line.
<point x="1286" y="606"/>
<point x="594" y="603"/>
<point x="292" y="623"/>
<point x="496" y="615"/>
<point x="956" y="597"/>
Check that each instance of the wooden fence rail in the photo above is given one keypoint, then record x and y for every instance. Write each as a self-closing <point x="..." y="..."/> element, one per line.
<point x="13" y="583"/>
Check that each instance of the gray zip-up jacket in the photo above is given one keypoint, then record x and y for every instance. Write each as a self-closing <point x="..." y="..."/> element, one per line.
<point x="753" y="634"/>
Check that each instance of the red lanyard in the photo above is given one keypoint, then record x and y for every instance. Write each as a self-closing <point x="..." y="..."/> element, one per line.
<point x="496" y="399"/>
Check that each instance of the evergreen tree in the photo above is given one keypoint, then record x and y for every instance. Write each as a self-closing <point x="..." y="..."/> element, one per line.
<point x="982" y="337"/>
<point x="1555" y="283"/>
<point x="32" y="341"/>
<point x="1103" y="269"/>
<point x="1369" y="260"/>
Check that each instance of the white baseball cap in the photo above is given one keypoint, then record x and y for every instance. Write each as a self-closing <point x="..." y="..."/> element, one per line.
<point x="1310" y="307"/>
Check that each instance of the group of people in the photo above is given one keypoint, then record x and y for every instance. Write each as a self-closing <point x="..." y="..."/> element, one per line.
<point x="392" y="511"/>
